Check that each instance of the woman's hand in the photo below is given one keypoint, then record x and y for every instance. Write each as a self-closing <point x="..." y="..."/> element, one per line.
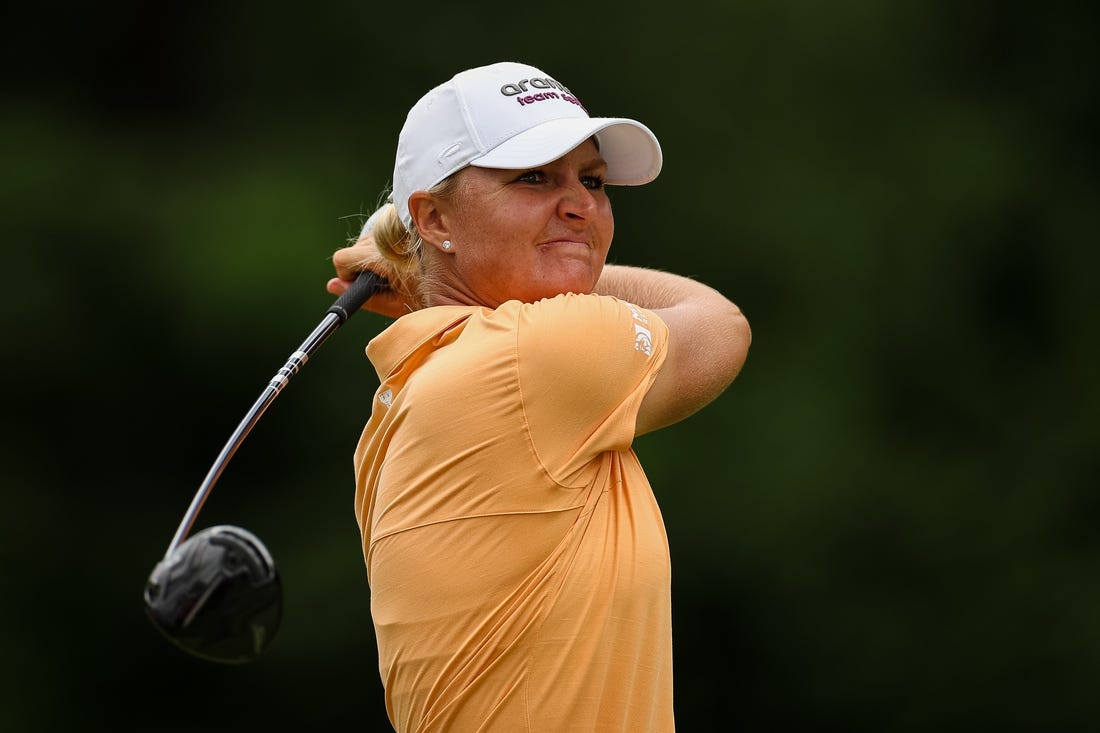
<point x="394" y="301"/>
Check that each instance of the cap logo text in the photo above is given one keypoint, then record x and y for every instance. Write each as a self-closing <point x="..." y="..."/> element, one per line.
<point x="511" y="90"/>
<point x="521" y="87"/>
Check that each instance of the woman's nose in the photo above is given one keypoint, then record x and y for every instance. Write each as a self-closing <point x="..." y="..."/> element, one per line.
<point x="577" y="201"/>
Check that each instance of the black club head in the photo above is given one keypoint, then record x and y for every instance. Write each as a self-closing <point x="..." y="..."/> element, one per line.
<point x="217" y="596"/>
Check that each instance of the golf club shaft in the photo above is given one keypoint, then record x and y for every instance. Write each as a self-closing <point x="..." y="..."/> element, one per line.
<point x="366" y="285"/>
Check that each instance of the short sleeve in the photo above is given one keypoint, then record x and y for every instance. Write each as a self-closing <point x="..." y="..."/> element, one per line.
<point x="585" y="363"/>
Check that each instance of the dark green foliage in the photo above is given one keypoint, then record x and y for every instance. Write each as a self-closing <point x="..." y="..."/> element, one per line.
<point x="886" y="524"/>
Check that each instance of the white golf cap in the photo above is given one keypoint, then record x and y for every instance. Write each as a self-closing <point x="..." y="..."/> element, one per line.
<point x="510" y="115"/>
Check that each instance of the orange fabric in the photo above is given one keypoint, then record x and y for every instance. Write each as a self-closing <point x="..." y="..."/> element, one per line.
<point x="517" y="559"/>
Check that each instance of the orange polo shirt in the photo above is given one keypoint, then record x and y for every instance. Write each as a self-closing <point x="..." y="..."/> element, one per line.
<point x="517" y="559"/>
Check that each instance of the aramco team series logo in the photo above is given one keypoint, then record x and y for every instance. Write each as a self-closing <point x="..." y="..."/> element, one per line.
<point x="521" y="90"/>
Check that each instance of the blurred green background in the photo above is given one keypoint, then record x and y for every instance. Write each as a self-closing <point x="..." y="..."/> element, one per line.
<point x="886" y="524"/>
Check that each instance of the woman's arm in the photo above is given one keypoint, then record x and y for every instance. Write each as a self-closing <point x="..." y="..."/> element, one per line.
<point x="708" y="340"/>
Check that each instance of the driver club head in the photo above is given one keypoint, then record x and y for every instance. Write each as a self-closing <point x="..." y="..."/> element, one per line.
<point x="217" y="596"/>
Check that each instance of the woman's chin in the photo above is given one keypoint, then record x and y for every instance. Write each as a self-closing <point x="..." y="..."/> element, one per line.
<point x="571" y="276"/>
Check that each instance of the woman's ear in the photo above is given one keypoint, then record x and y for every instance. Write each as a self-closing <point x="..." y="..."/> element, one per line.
<point x="429" y="218"/>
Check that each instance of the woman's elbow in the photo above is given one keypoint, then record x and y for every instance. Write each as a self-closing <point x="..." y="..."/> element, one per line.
<point x="736" y="339"/>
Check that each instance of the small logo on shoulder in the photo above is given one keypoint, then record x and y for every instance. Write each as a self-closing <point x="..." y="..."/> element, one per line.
<point x="643" y="337"/>
<point x="386" y="398"/>
<point x="643" y="340"/>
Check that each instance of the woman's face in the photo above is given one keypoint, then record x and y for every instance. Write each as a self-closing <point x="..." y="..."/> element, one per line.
<point x="530" y="234"/>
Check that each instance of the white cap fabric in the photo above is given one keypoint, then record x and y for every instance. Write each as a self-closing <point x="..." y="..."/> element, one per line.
<point x="510" y="115"/>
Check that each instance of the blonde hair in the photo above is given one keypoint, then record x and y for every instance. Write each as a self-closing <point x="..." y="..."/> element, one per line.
<point x="404" y="248"/>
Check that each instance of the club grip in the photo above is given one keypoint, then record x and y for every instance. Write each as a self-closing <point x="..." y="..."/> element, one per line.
<point x="367" y="284"/>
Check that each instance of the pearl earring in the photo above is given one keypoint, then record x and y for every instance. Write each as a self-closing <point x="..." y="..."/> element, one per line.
<point x="447" y="244"/>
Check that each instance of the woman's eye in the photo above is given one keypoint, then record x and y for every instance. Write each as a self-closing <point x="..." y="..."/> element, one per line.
<point x="593" y="183"/>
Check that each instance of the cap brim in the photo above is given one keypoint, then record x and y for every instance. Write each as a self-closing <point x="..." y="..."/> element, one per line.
<point x="631" y="150"/>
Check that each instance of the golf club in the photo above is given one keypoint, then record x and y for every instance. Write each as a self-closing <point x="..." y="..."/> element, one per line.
<point x="217" y="594"/>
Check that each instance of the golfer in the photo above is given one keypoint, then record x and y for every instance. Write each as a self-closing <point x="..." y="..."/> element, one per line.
<point x="516" y="556"/>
